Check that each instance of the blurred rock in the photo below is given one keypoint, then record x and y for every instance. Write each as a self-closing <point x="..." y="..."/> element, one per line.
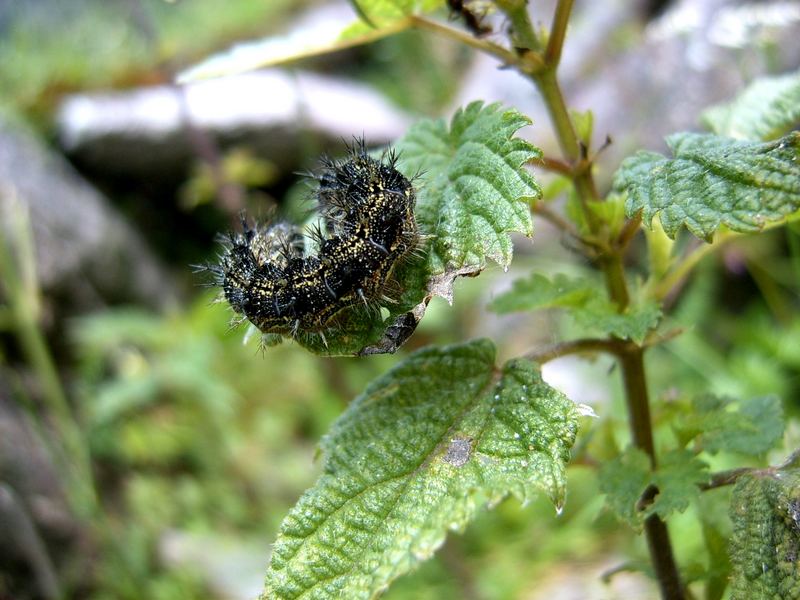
<point x="84" y="251"/>
<point x="144" y="132"/>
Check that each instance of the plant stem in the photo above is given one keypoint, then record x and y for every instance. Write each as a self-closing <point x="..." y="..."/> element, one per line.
<point x="553" y="164"/>
<point x="523" y="35"/>
<point x="558" y="30"/>
<point x="630" y="355"/>
<point x="724" y="478"/>
<point x="465" y="38"/>
<point x="579" y="346"/>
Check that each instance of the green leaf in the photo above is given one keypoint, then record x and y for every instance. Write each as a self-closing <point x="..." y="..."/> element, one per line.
<point x="626" y="478"/>
<point x="765" y="510"/>
<point x="475" y="188"/>
<point x="623" y="481"/>
<point x="599" y="314"/>
<point x="377" y="19"/>
<point x="677" y="477"/>
<point x="429" y="445"/>
<point x="590" y="310"/>
<point x="766" y="110"/>
<point x="583" y="121"/>
<point x="472" y="190"/>
<point x="538" y="292"/>
<point x="713" y="181"/>
<point x="751" y="427"/>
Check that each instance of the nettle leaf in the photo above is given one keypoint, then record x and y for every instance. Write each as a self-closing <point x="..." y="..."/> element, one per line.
<point x="765" y="510"/>
<point x="767" y="109"/>
<point x="751" y="427"/>
<point x="623" y="481"/>
<point x="422" y="451"/>
<point x="600" y="314"/>
<point x="538" y="292"/>
<point x="474" y="188"/>
<point x="589" y="310"/>
<point x="376" y="19"/>
<point x="677" y="477"/>
<point x="713" y="181"/>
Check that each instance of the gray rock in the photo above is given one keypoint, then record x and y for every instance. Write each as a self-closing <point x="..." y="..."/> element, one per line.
<point x="83" y="248"/>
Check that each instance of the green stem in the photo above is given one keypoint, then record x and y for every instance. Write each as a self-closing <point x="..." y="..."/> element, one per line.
<point x="558" y="32"/>
<point x="658" y="541"/>
<point x="507" y="57"/>
<point x="631" y="356"/>
<point x="550" y="90"/>
<point x="580" y="346"/>
<point x="523" y="35"/>
<point x="614" y="271"/>
<point x="728" y="477"/>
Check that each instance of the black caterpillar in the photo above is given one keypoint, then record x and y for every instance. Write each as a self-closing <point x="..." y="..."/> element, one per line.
<point x="269" y="275"/>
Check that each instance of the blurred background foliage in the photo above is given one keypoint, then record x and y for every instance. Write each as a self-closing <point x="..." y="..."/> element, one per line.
<point x="198" y="443"/>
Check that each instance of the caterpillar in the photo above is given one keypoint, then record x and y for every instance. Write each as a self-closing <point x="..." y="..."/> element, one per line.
<point x="273" y="277"/>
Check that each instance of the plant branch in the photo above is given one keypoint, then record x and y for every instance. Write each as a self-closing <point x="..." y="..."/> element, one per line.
<point x="523" y="35"/>
<point x="579" y="346"/>
<point x="724" y="478"/>
<point x="506" y="56"/>
<point x="544" y="211"/>
<point x="630" y="355"/>
<point x="629" y="231"/>
<point x="552" y="55"/>
<point x="553" y="164"/>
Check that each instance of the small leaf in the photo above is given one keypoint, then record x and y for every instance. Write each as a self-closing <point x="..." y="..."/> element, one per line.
<point x="752" y="427"/>
<point x="472" y="190"/>
<point x="767" y="109"/>
<point x="765" y="510"/>
<point x="590" y="310"/>
<point x="623" y="481"/>
<point x="425" y="448"/>
<point x="677" y="477"/>
<point x="583" y="121"/>
<point x="475" y="188"/>
<point x="599" y="314"/>
<point x="713" y="181"/>
<point x="538" y="292"/>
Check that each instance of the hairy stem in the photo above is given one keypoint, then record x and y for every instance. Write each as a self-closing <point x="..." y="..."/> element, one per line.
<point x="558" y="30"/>
<point x="463" y="37"/>
<point x="579" y="346"/>
<point x="724" y="478"/>
<point x="631" y="356"/>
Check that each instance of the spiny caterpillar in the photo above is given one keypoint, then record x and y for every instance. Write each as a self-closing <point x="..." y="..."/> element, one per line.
<point x="269" y="275"/>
